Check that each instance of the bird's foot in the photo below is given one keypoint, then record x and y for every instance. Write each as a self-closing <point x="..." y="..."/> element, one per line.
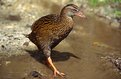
<point x="56" y="72"/>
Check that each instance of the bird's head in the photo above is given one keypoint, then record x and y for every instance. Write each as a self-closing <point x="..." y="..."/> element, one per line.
<point x="72" y="10"/>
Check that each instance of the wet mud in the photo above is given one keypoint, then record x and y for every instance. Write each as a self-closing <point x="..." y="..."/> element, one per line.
<point x="82" y="55"/>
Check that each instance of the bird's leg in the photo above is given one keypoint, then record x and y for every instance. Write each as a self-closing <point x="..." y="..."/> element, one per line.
<point x="54" y="68"/>
<point x="47" y="52"/>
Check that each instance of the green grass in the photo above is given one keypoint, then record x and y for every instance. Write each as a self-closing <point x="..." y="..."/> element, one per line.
<point x="96" y="3"/>
<point x="117" y="13"/>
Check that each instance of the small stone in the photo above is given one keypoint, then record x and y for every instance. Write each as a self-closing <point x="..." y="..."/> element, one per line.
<point x="115" y="24"/>
<point x="35" y="74"/>
<point x="26" y="44"/>
<point x="16" y="38"/>
<point x="117" y="63"/>
<point x="7" y="62"/>
<point x="14" y="17"/>
<point x="3" y="47"/>
<point x="10" y="36"/>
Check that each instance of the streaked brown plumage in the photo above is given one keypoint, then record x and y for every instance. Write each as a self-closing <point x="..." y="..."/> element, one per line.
<point x="50" y="30"/>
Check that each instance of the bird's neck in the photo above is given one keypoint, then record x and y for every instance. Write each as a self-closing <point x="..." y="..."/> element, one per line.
<point x="65" y="15"/>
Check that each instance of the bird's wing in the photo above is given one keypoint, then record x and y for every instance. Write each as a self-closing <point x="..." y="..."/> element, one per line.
<point x="45" y="20"/>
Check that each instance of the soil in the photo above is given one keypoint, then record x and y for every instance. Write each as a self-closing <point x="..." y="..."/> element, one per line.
<point x="82" y="55"/>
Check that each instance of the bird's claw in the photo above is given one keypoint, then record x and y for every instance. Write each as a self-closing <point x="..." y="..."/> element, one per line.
<point x="56" y="72"/>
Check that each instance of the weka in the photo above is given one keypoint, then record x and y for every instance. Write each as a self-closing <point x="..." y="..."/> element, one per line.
<point x="50" y="30"/>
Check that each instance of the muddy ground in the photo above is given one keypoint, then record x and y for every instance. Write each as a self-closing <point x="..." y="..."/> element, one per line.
<point x="82" y="55"/>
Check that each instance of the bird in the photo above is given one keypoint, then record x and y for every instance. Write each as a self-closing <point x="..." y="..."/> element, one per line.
<point x="49" y="30"/>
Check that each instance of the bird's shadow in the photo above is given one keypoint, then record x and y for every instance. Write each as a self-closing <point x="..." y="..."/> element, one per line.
<point x="56" y="56"/>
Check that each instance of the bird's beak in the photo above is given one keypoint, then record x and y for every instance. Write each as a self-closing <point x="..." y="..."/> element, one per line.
<point x="80" y="14"/>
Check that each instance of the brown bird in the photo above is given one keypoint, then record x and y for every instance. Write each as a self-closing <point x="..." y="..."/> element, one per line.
<point x="50" y="30"/>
